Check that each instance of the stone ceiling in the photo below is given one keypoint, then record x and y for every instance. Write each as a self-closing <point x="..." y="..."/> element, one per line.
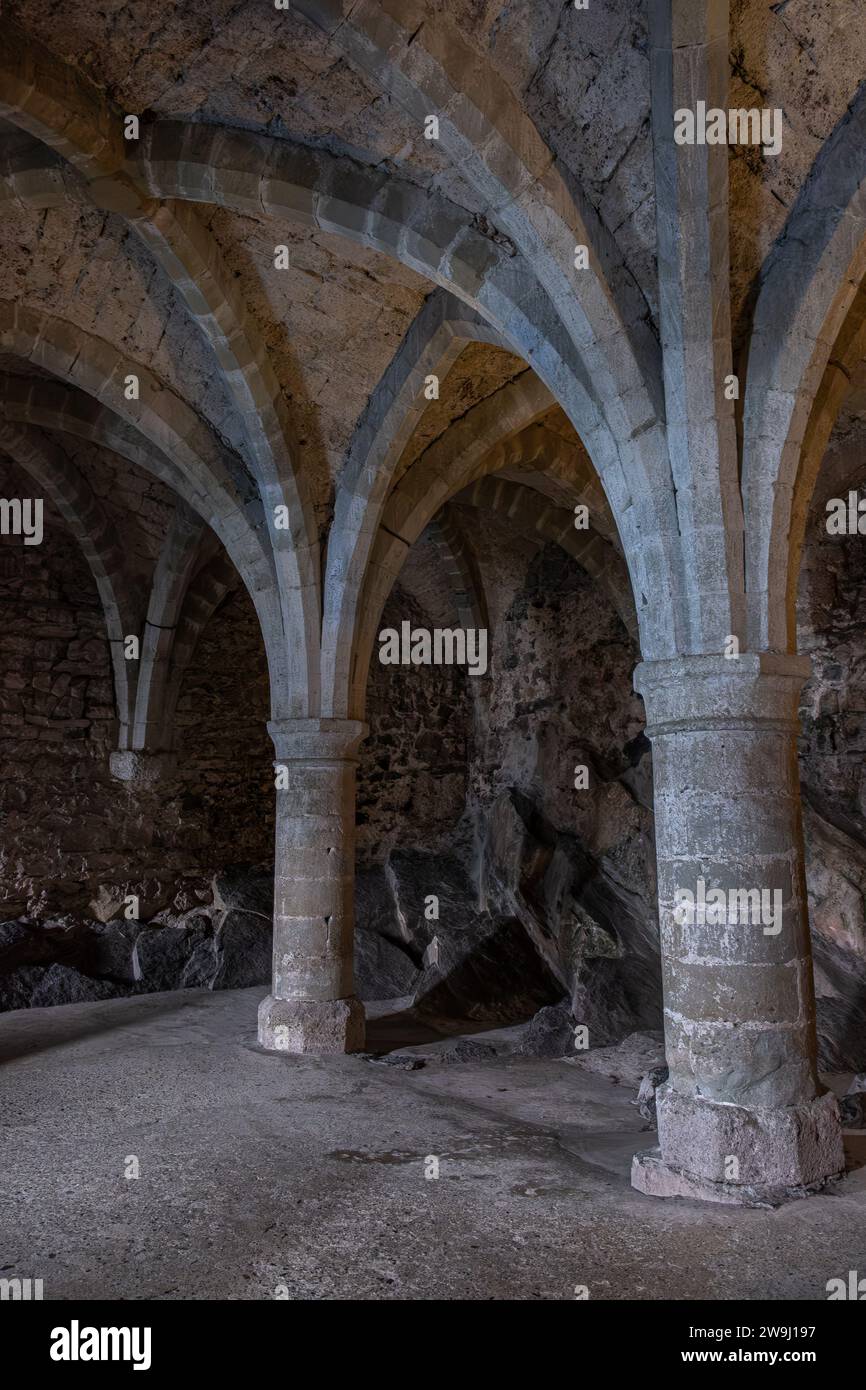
<point x="334" y="320"/>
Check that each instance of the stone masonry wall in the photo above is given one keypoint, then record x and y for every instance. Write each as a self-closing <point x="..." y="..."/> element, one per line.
<point x="414" y="766"/>
<point x="70" y="835"/>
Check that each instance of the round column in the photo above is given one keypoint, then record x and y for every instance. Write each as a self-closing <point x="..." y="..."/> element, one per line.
<point x="742" y="1116"/>
<point x="312" y="1007"/>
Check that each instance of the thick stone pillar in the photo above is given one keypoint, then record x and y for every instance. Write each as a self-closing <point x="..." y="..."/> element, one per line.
<point x="312" y="1007"/>
<point x="742" y="1117"/>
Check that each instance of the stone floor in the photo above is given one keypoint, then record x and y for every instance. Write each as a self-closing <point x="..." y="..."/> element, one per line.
<point x="265" y="1176"/>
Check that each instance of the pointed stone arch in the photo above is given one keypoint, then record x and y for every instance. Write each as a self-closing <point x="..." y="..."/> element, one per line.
<point x="192" y="577"/>
<point x="158" y="433"/>
<point x="461" y="568"/>
<point x="808" y="286"/>
<point x="421" y="59"/>
<point x="74" y="499"/>
<point x="171" y="579"/>
<point x="624" y="434"/>
<point x="533" y="515"/>
<point x="59" y="107"/>
<point x="470" y="451"/>
<point x="437" y="336"/>
<point x="848" y="350"/>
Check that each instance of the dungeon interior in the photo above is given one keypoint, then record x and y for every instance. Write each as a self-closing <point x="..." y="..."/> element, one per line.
<point x="432" y="667"/>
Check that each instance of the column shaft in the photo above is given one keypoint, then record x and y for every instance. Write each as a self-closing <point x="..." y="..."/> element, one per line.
<point x="312" y="1007"/>
<point x="742" y="1110"/>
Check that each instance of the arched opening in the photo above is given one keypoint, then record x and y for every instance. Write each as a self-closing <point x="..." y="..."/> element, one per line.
<point x="113" y="887"/>
<point x="531" y="890"/>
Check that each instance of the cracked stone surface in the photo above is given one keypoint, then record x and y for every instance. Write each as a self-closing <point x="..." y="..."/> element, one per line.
<point x="541" y="1145"/>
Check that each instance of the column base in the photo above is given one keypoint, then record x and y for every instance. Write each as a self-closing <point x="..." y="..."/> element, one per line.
<point x="317" y="1028"/>
<point x="655" y="1178"/>
<point x="720" y="1152"/>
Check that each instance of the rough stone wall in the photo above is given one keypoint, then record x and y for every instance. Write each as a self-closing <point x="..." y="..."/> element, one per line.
<point x="544" y="892"/>
<point x="831" y="603"/>
<point x="57" y="715"/>
<point x="74" y="842"/>
<point x="575" y="865"/>
<point x="412" y="776"/>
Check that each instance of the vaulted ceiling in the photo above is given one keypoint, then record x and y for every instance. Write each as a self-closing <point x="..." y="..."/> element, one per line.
<point x="323" y="332"/>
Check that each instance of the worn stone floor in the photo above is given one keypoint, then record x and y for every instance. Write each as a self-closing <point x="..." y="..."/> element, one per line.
<point x="263" y="1176"/>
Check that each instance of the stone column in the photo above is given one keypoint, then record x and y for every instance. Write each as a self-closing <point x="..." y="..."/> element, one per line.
<point x="742" y="1117"/>
<point x="312" y="1007"/>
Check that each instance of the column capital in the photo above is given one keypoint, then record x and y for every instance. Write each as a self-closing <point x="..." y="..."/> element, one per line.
<point x="317" y="740"/>
<point x="754" y="689"/>
<point x="143" y="769"/>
